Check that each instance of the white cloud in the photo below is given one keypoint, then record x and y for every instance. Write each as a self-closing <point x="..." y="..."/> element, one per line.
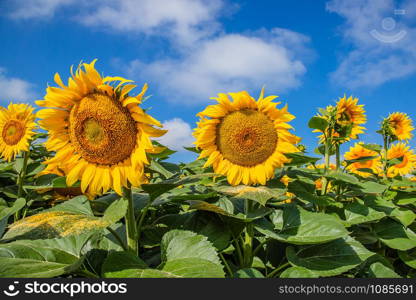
<point x="28" y="9"/>
<point x="14" y="89"/>
<point x="179" y="134"/>
<point x="230" y="62"/>
<point x="204" y="60"/>
<point x="374" y="60"/>
<point x="183" y="21"/>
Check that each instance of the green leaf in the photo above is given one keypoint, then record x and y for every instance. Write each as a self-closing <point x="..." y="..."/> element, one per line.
<point x="395" y="235"/>
<point x="358" y="213"/>
<point x="297" y="272"/>
<point x="329" y="259"/>
<point x="42" y="258"/>
<point x="6" y="212"/>
<point x="378" y="270"/>
<point x="184" y="254"/>
<point x="248" y="273"/>
<point x="118" y="263"/>
<point x="370" y="187"/>
<point x="156" y="189"/>
<point x="178" y="244"/>
<point x="303" y="227"/>
<point x="234" y="208"/>
<point x="408" y="257"/>
<point x="115" y="211"/>
<point x="361" y="159"/>
<point x="342" y="177"/>
<point x="373" y="147"/>
<point x="73" y="218"/>
<point x="193" y="268"/>
<point x="318" y="123"/>
<point x="259" y="194"/>
<point x="298" y="159"/>
<point x="77" y="205"/>
<point x="157" y="167"/>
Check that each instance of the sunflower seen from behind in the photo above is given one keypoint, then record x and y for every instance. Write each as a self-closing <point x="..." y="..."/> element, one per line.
<point x="99" y="133"/>
<point x="350" y="113"/>
<point x="406" y="160"/>
<point x="370" y="160"/>
<point x="244" y="139"/>
<point x="400" y="125"/>
<point x="17" y="125"/>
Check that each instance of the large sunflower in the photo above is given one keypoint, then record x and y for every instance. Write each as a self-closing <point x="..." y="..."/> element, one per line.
<point x="245" y="139"/>
<point x="357" y="152"/>
<point x="349" y="112"/>
<point x="400" y="125"/>
<point x="98" y="131"/>
<point x="17" y="124"/>
<point x="407" y="157"/>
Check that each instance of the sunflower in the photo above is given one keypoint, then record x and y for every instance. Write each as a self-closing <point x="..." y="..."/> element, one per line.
<point x="400" y="125"/>
<point x="357" y="152"/>
<point x="17" y="124"/>
<point x="407" y="157"/>
<point x="349" y="112"/>
<point x="318" y="182"/>
<point x="98" y="131"/>
<point x="245" y="139"/>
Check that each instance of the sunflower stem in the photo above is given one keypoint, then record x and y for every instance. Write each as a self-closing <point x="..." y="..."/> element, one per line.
<point x="386" y="147"/>
<point x="337" y="156"/>
<point x="21" y="179"/>
<point x="131" y="232"/>
<point x="248" y="238"/>
<point x="327" y="157"/>
<point x="141" y="220"/>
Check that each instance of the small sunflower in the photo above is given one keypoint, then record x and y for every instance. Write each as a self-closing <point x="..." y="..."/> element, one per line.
<point x="245" y="139"/>
<point x="400" y="125"/>
<point x="17" y="124"/>
<point x="407" y="157"/>
<point x="349" y="112"/>
<point x="98" y="131"/>
<point x="358" y="151"/>
<point x="318" y="182"/>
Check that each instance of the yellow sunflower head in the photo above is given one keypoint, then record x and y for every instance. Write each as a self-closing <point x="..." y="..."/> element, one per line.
<point x="349" y="112"/>
<point x="17" y="124"/>
<point x="245" y="139"/>
<point x="400" y="126"/>
<point x="98" y="131"/>
<point x="408" y="160"/>
<point x="357" y="152"/>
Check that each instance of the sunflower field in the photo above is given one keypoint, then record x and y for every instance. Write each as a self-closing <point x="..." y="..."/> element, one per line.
<point x="87" y="191"/>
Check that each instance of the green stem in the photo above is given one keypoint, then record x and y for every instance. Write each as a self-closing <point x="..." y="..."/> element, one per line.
<point x="248" y="246"/>
<point x="227" y="266"/>
<point x="327" y="158"/>
<point x="21" y="179"/>
<point x="141" y="219"/>
<point x="272" y="274"/>
<point x="338" y="165"/>
<point x="238" y="249"/>
<point x="386" y="147"/>
<point x="258" y="248"/>
<point x="22" y="174"/>
<point x="132" y="242"/>
<point x="337" y="156"/>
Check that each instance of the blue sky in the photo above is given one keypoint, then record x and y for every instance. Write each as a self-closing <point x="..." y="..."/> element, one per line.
<point x="308" y="52"/>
